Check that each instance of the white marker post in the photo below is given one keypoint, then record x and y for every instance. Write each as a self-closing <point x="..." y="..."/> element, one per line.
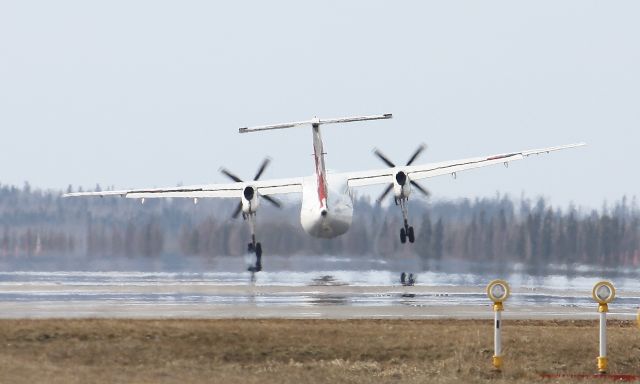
<point x="498" y="291"/>
<point x="603" y="293"/>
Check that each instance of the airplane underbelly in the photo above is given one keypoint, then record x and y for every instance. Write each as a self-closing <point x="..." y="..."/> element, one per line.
<point x="327" y="223"/>
<point x="326" y="227"/>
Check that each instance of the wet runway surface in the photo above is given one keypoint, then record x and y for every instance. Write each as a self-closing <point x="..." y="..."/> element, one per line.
<point x="328" y="294"/>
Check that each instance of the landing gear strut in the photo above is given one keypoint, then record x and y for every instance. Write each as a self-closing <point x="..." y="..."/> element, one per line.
<point x="407" y="231"/>
<point x="254" y="246"/>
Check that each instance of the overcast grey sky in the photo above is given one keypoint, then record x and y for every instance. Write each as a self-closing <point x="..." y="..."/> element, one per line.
<point x="151" y="93"/>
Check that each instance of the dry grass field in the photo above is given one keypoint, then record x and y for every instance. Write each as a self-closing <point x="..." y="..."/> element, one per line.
<point x="304" y="351"/>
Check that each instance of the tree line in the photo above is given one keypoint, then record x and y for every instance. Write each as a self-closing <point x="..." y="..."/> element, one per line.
<point x="35" y="222"/>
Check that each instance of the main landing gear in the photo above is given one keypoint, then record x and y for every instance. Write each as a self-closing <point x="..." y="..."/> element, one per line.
<point x="406" y="233"/>
<point x="409" y="279"/>
<point x="401" y="186"/>
<point x="254" y="247"/>
<point x="247" y="206"/>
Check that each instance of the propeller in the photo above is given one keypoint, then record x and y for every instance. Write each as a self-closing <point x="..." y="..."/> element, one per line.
<point x="401" y="176"/>
<point x="249" y="191"/>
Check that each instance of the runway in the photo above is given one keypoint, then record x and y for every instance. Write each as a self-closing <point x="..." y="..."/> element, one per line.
<point x="328" y="294"/>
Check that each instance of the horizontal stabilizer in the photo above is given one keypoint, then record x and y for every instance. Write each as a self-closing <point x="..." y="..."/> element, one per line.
<point x="315" y="121"/>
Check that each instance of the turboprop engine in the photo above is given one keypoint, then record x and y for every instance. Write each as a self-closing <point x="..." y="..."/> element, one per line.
<point x="402" y="183"/>
<point x="401" y="188"/>
<point x="249" y="201"/>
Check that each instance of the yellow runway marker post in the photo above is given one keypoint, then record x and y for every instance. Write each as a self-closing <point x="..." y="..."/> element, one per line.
<point x="498" y="291"/>
<point x="603" y="293"/>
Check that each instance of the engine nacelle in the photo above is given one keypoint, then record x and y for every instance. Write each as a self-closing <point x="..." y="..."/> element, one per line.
<point x="250" y="200"/>
<point x="401" y="185"/>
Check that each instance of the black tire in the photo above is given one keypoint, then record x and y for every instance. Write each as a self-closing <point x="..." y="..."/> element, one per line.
<point x="250" y="248"/>
<point x="410" y="235"/>
<point x="403" y="236"/>
<point x="403" y="278"/>
<point x="258" y="257"/>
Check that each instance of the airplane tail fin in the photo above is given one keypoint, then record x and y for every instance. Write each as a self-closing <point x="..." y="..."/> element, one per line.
<point x="318" y="151"/>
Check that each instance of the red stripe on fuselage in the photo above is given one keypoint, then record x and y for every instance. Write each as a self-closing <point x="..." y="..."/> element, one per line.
<point x="322" y="186"/>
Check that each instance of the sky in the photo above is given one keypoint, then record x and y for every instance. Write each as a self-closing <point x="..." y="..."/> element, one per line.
<point x="152" y="93"/>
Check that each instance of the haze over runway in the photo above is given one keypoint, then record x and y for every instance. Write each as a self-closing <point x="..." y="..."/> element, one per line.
<point x="131" y="94"/>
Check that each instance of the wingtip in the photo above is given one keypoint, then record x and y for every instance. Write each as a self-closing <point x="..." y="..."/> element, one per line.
<point x="577" y="145"/>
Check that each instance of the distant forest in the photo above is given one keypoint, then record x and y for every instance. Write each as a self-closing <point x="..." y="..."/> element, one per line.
<point x="35" y="222"/>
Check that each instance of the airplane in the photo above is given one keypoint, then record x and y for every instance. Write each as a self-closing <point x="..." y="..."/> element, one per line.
<point x="327" y="199"/>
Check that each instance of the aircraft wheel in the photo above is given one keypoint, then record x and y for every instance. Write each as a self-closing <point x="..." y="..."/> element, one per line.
<point x="250" y="248"/>
<point x="258" y="257"/>
<point x="403" y="236"/>
<point x="410" y="235"/>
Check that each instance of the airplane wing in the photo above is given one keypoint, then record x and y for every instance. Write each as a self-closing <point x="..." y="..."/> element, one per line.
<point x="229" y="190"/>
<point x="417" y="172"/>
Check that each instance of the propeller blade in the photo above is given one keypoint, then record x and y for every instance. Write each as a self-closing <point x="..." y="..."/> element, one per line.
<point x="384" y="158"/>
<point x="236" y="213"/>
<point x="417" y="153"/>
<point x="385" y="193"/>
<point x="421" y="188"/>
<point x="272" y="200"/>
<point x="230" y="175"/>
<point x="265" y="162"/>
